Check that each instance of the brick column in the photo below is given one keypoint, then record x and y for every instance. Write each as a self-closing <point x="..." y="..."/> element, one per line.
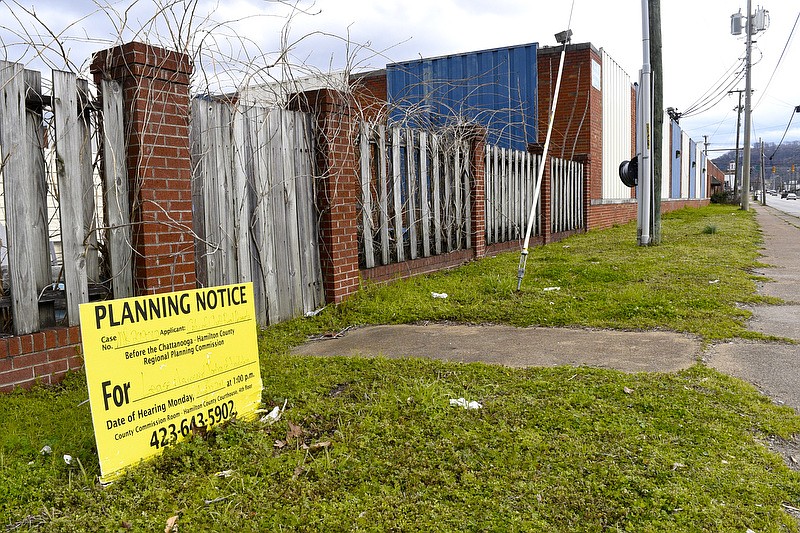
<point x="478" y="204"/>
<point x="155" y="84"/>
<point x="546" y="220"/>
<point x="338" y="189"/>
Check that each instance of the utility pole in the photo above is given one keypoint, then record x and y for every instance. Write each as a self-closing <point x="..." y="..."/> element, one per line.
<point x="756" y="23"/>
<point x="704" y="170"/>
<point x="658" y="114"/>
<point x="738" y="129"/>
<point x="747" y="112"/>
<point x="763" y="185"/>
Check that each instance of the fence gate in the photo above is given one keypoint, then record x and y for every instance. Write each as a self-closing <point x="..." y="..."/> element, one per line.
<point x="253" y="201"/>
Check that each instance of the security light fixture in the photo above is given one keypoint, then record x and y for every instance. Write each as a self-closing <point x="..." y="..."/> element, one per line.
<point x="563" y="37"/>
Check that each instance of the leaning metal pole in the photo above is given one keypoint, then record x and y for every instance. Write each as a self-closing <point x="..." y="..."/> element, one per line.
<point x="523" y="258"/>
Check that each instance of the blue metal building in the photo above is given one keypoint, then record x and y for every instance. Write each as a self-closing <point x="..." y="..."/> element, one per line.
<point x="495" y="88"/>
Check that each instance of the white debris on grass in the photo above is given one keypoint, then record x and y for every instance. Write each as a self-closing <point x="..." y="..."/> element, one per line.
<point x="461" y="402"/>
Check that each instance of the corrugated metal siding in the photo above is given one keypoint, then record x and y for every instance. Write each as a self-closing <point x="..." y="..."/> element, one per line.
<point x="496" y="88"/>
<point x="617" y="117"/>
<point x="685" y="147"/>
<point x="692" y="169"/>
<point x="666" y="162"/>
<point x="675" y="178"/>
<point x="703" y="172"/>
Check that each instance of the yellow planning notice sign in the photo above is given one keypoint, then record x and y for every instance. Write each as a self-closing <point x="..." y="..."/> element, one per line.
<point x="163" y="366"/>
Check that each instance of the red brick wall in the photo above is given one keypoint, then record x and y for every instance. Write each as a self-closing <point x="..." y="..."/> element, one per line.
<point x="477" y="148"/>
<point x="42" y="357"/>
<point x="370" y="95"/>
<point x="155" y="84"/>
<point x="713" y="172"/>
<point x="338" y="189"/>
<point x="415" y="267"/>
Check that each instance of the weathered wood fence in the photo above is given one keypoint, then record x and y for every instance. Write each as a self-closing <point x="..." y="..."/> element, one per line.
<point x="254" y="209"/>
<point x="415" y="194"/>
<point x="566" y="196"/>
<point x="510" y="184"/>
<point x="52" y="135"/>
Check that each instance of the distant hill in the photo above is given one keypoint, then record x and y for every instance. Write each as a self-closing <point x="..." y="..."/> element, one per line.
<point x="786" y="156"/>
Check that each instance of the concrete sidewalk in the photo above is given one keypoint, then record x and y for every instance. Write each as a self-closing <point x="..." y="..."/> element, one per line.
<point x="772" y="367"/>
<point x="629" y="351"/>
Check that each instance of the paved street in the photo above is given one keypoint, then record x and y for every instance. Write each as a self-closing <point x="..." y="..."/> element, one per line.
<point x="791" y="207"/>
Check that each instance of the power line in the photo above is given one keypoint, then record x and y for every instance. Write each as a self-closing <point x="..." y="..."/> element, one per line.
<point x="796" y="110"/>
<point x="717" y="91"/>
<point x="778" y="64"/>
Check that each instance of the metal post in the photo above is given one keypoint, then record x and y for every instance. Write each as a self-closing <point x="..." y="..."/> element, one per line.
<point x="747" y="113"/>
<point x="645" y="167"/>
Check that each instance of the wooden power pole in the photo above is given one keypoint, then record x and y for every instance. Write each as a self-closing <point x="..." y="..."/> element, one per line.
<point x="658" y="115"/>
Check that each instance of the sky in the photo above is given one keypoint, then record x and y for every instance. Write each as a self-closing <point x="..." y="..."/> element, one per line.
<point x="241" y="40"/>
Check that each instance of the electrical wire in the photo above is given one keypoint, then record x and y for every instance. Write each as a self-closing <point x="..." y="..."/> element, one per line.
<point x="778" y="64"/>
<point x="731" y="71"/>
<point x="795" y="110"/>
<point x="716" y="93"/>
<point x="710" y="104"/>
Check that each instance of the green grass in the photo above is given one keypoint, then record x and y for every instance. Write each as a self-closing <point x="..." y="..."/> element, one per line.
<point x="557" y="449"/>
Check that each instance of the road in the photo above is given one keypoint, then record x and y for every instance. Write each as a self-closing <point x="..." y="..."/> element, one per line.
<point x="787" y="206"/>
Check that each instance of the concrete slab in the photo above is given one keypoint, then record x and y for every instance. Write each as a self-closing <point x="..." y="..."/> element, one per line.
<point x="772" y="368"/>
<point x="628" y="351"/>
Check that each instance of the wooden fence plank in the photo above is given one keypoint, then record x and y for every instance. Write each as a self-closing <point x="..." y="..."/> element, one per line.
<point x="277" y="205"/>
<point x="495" y="207"/>
<point x="116" y="192"/>
<point x="290" y="212"/>
<point x="465" y="151"/>
<point x="225" y="162"/>
<point x="214" y="192"/>
<point x="397" y="204"/>
<point x="383" y="194"/>
<point x="264" y="216"/>
<point x="68" y="137"/>
<point x="198" y="147"/>
<point x="425" y="208"/>
<point x="515" y="190"/>
<point x="448" y="199"/>
<point x="458" y="192"/>
<point x="40" y="232"/>
<point x="90" y="221"/>
<point x="311" y="271"/>
<point x="242" y="160"/>
<point x="19" y="190"/>
<point x="411" y="193"/>
<point x="437" y="195"/>
<point x="487" y="194"/>
<point x="366" y="195"/>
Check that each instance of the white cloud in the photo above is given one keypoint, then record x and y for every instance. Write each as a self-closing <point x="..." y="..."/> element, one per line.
<point x="697" y="45"/>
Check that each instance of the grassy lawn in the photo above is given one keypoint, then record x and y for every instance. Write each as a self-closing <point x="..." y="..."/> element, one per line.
<point x="373" y="444"/>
